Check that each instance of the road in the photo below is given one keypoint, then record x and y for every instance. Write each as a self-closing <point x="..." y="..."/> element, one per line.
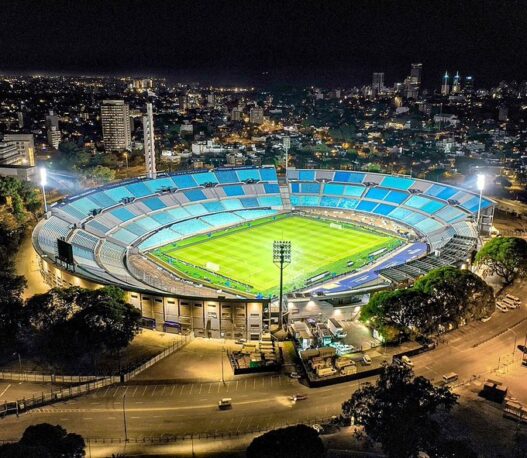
<point x="261" y="402"/>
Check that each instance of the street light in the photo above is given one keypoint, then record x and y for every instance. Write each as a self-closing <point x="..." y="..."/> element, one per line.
<point x="480" y="183"/>
<point x="43" y="183"/>
<point x="126" y="157"/>
<point x="281" y="258"/>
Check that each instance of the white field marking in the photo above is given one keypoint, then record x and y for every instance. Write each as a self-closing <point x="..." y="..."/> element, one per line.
<point x="6" y="388"/>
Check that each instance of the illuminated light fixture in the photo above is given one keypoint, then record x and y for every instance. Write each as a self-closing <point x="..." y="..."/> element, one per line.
<point x="480" y="184"/>
<point x="43" y="183"/>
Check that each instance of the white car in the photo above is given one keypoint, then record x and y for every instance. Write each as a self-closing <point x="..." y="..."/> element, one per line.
<point x="407" y="361"/>
<point x="501" y="308"/>
<point x="366" y="360"/>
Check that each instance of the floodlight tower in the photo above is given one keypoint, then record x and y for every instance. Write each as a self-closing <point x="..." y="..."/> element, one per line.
<point x="287" y="145"/>
<point x="43" y="182"/>
<point x="281" y="258"/>
<point x="480" y="183"/>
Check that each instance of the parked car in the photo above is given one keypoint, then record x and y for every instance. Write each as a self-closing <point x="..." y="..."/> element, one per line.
<point x="318" y="428"/>
<point x="366" y="360"/>
<point x="298" y="397"/>
<point x="407" y="361"/>
<point x="485" y="319"/>
<point x="501" y="308"/>
<point x="295" y="375"/>
<point x="513" y="298"/>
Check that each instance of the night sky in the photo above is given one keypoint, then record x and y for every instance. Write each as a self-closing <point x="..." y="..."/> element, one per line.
<point x="326" y="42"/>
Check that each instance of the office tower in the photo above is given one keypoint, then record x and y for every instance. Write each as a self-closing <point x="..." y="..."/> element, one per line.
<point x="53" y="133"/>
<point x="54" y="137"/>
<point x="9" y="154"/>
<point x="377" y="83"/>
<point x="116" y="129"/>
<point x="20" y="116"/>
<point x="183" y="102"/>
<point x="445" y="88"/>
<point x="25" y="147"/>
<point x="256" y="115"/>
<point x="416" y="73"/>
<point x="469" y="85"/>
<point x="456" y="84"/>
<point x="236" y="114"/>
<point x="149" y="142"/>
<point x="211" y="99"/>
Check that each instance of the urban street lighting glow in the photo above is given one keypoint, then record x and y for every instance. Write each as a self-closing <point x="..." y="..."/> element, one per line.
<point x="480" y="183"/>
<point x="43" y="176"/>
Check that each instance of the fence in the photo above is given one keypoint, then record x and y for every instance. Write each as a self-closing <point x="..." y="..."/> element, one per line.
<point x="166" y="352"/>
<point x="88" y="383"/>
<point x="45" y="378"/>
<point x="61" y="394"/>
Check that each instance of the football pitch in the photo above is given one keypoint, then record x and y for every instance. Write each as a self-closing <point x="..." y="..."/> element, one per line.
<point x="240" y="259"/>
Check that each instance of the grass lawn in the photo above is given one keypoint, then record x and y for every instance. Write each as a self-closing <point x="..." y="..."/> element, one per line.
<point x="241" y="256"/>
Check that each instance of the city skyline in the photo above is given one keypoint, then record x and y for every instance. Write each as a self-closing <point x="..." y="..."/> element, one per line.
<point x="328" y="44"/>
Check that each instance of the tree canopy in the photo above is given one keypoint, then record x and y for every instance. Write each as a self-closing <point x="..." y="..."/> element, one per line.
<point x="446" y="294"/>
<point x="45" y="441"/>
<point x="298" y="441"/>
<point x="505" y="257"/>
<point x="397" y="411"/>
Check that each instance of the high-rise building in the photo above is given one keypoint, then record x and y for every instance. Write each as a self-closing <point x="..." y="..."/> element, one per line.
<point x="183" y="102"/>
<point x="149" y="142"/>
<point x="256" y="115"/>
<point x="469" y="85"/>
<point x="236" y="114"/>
<point x="416" y="73"/>
<point x="456" y="84"/>
<point x="211" y="99"/>
<point x="377" y="83"/>
<point x="9" y="154"/>
<point x="116" y="129"/>
<point x="25" y="147"/>
<point x="54" y="137"/>
<point x="503" y="114"/>
<point x="52" y="120"/>
<point x="445" y="87"/>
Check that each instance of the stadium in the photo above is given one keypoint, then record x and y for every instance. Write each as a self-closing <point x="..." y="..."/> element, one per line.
<point x="194" y="250"/>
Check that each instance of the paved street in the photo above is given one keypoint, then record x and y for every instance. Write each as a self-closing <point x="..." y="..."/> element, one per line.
<point x="155" y="409"/>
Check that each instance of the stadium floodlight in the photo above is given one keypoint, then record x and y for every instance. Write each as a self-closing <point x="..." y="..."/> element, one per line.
<point x="480" y="183"/>
<point x="281" y="258"/>
<point x="43" y="183"/>
<point x="287" y="145"/>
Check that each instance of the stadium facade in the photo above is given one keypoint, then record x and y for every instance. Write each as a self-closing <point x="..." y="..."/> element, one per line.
<point x="101" y="236"/>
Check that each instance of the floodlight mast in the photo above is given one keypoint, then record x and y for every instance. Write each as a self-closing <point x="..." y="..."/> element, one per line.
<point x="480" y="183"/>
<point x="281" y="258"/>
<point x="43" y="182"/>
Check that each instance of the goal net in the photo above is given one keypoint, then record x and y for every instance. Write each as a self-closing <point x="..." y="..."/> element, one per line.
<point x="335" y="226"/>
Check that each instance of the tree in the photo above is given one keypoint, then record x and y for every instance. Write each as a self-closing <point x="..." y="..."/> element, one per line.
<point x="298" y="441"/>
<point x="11" y="309"/>
<point x="55" y="439"/>
<point x="398" y="411"/>
<point x="100" y="174"/>
<point x="505" y="257"/>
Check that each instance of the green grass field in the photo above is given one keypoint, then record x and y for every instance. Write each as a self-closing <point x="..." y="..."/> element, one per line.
<point x="244" y="253"/>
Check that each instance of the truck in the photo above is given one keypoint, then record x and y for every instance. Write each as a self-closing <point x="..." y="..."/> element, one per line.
<point x="336" y="329"/>
<point x="349" y="370"/>
<point x="225" y="403"/>
<point x="343" y="362"/>
<point x="326" y="371"/>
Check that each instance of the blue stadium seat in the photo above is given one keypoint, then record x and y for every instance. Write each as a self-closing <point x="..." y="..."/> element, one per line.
<point x="119" y="193"/>
<point x="384" y="209"/>
<point x="348" y="177"/>
<point x="377" y="193"/>
<point x="271" y="188"/>
<point x="295" y="188"/>
<point x="348" y="204"/>
<point x="102" y="199"/>
<point x="214" y="207"/>
<point x="428" y="225"/>
<point x="183" y="213"/>
<point x="248" y="174"/>
<point x="163" y="237"/>
<point x="159" y="184"/>
<point x="334" y="189"/>
<point x="396" y="197"/>
<point x="122" y="213"/>
<point x="250" y="202"/>
<point x="397" y="182"/>
<point x="233" y="190"/>
<point x="268" y="174"/>
<point x="366" y="206"/>
<point x="451" y="214"/>
<point x="206" y="177"/>
<point x="184" y="181"/>
<point x="194" y="195"/>
<point x="270" y="201"/>
<point x="332" y="202"/>
<point x="139" y="189"/>
<point x="190" y="227"/>
<point x="154" y="203"/>
<point x="196" y="209"/>
<point x="84" y="205"/>
<point x="227" y="176"/>
<point x="232" y="204"/>
<point x="310" y="188"/>
<point x="447" y="193"/>
<point x="124" y="236"/>
<point x="306" y="175"/>
<point x="164" y="218"/>
<point x="222" y="219"/>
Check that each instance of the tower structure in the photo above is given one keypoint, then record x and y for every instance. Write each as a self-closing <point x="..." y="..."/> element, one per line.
<point x="445" y="87"/>
<point x="149" y="142"/>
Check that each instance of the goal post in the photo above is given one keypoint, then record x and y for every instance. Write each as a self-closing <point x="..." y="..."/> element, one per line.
<point x="335" y="226"/>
